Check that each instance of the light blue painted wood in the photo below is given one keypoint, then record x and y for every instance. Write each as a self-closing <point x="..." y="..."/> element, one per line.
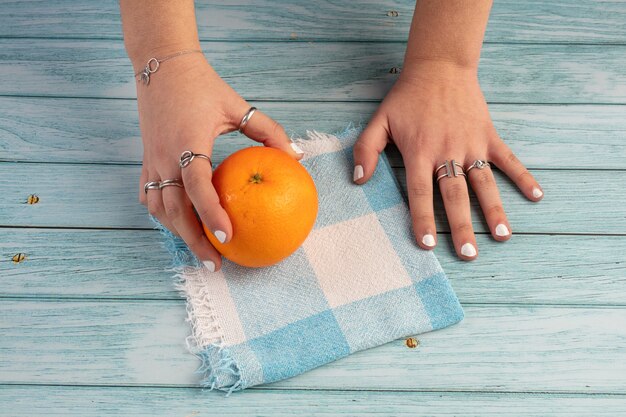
<point x="569" y="21"/>
<point x="102" y="131"/>
<point x="98" y="401"/>
<point x="107" y="196"/>
<point x="103" y="264"/>
<point x="495" y="348"/>
<point x="305" y="71"/>
<point x="514" y="338"/>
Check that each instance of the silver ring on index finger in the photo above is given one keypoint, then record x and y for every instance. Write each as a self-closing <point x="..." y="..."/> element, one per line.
<point x="246" y="118"/>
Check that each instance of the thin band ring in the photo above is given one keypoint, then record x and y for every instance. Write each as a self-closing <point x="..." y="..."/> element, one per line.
<point x="453" y="169"/>
<point x="151" y="185"/>
<point x="175" y="182"/>
<point x="246" y="118"/>
<point x="187" y="156"/>
<point x="479" y="163"/>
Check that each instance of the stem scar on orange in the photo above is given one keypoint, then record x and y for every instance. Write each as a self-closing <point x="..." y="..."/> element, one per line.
<point x="272" y="204"/>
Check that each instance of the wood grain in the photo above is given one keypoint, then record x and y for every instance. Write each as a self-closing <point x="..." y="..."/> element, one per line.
<point x="329" y="71"/>
<point x="127" y="401"/>
<point x="107" y="131"/>
<point x="495" y="348"/>
<point x="125" y="264"/>
<point x="565" y="21"/>
<point x="107" y="196"/>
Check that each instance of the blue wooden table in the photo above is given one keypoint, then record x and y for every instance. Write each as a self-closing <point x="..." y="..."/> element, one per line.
<point x="90" y="323"/>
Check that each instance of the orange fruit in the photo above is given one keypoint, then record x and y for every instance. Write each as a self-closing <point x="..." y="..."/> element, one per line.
<point x="272" y="204"/>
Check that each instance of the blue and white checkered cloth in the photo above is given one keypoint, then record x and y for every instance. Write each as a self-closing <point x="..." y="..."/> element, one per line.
<point x="358" y="281"/>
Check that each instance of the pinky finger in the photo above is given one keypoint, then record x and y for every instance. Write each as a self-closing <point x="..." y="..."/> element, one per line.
<point x="507" y="162"/>
<point x="143" y="179"/>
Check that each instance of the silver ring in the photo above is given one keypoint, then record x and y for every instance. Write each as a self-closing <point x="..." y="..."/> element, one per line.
<point x="187" y="156"/>
<point x="151" y="185"/>
<point x="479" y="163"/>
<point x="453" y="169"/>
<point x="246" y="118"/>
<point x="175" y="182"/>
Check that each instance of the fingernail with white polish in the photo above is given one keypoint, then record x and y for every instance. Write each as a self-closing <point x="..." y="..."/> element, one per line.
<point x="296" y="149"/>
<point x="210" y="265"/>
<point x="537" y="192"/>
<point x="428" y="240"/>
<point x="219" y="235"/>
<point x="502" y="230"/>
<point x="468" y="250"/>
<point x="358" y="172"/>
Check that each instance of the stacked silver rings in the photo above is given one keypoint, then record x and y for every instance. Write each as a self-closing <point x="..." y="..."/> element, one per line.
<point x="454" y="169"/>
<point x="159" y="185"/>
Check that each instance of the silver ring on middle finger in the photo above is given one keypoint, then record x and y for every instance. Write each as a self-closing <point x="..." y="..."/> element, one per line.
<point x="453" y="169"/>
<point x="479" y="164"/>
<point x="175" y="182"/>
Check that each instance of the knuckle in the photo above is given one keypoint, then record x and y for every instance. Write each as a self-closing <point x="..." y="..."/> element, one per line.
<point x="154" y="210"/>
<point x="495" y="210"/>
<point x="194" y="179"/>
<point x="463" y="228"/>
<point x="456" y="192"/>
<point x="277" y="129"/>
<point x="366" y="146"/>
<point x="511" y="158"/>
<point x="173" y="208"/>
<point x="205" y="212"/>
<point x="422" y="219"/>
<point x="196" y="243"/>
<point x="420" y="190"/>
<point x="483" y="178"/>
<point x="522" y="176"/>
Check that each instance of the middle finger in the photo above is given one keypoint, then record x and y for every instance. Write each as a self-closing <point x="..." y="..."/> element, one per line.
<point x="179" y="211"/>
<point x="457" y="205"/>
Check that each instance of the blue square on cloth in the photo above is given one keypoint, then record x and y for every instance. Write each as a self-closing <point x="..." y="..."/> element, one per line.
<point x="303" y="345"/>
<point x="358" y="281"/>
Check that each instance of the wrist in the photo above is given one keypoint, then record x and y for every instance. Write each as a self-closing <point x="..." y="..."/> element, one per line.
<point x="140" y="54"/>
<point x="439" y="69"/>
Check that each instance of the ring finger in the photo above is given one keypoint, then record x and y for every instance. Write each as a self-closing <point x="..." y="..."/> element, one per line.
<point x="456" y="203"/>
<point x="484" y="185"/>
<point x="154" y="202"/>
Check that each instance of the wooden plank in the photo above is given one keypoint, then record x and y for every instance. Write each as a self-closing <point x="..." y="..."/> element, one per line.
<point x="107" y="196"/>
<point x="101" y="264"/>
<point x="305" y="71"/>
<point x="565" y="21"/>
<point x="97" y="401"/>
<point x="495" y="348"/>
<point x="104" y="131"/>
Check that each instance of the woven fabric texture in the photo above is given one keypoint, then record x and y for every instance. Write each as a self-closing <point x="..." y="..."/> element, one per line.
<point x="358" y="281"/>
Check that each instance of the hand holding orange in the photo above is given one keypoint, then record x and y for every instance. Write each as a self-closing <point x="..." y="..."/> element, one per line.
<point x="272" y="204"/>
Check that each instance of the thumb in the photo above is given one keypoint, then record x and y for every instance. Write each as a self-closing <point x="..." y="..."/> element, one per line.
<point x="269" y="132"/>
<point x="367" y="149"/>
